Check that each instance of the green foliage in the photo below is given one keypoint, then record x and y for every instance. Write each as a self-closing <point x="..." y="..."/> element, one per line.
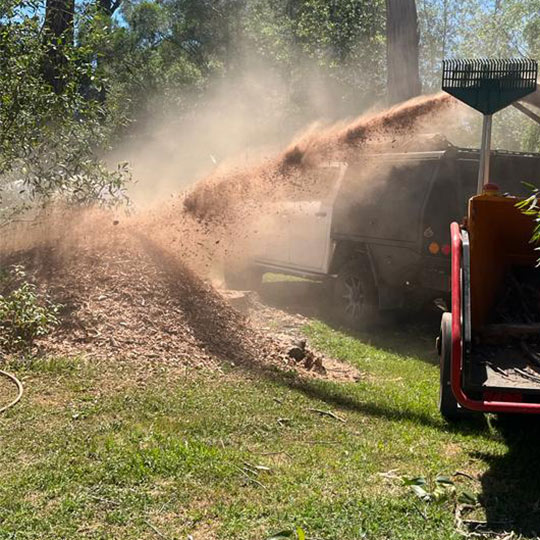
<point x="438" y="490"/>
<point x="332" y="54"/>
<point x="25" y="314"/>
<point x="156" y="60"/>
<point x="297" y="534"/>
<point x="51" y="142"/>
<point x="337" y="47"/>
<point x="169" y="54"/>
<point x="531" y="207"/>
<point x="498" y="29"/>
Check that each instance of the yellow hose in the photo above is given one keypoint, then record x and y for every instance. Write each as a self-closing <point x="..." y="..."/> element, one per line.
<point x="19" y="386"/>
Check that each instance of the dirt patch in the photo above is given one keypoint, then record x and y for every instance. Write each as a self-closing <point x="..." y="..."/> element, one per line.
<point x="204" y="531"/>
<point x="288" y="329"/>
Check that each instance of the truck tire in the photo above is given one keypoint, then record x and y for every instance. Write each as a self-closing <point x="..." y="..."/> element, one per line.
<point x="242" y="278"/>
<point x="448" y="405"/>
<point x="355" y="300"/>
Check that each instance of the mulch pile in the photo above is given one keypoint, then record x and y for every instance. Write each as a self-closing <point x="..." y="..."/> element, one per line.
<point x="127" y="291"/>
<point x="125" y="296"/>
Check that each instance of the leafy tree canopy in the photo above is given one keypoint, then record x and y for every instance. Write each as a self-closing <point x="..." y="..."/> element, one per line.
<point x="117" y="63"/>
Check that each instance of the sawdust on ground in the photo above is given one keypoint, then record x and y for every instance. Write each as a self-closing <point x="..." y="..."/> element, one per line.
<point x="126" y="296"/>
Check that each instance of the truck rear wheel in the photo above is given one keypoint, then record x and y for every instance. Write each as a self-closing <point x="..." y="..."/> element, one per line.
<point x="355" y="300"/>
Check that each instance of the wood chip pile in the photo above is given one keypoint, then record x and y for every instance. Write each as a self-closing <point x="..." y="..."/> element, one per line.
<point x="128" y="297"/>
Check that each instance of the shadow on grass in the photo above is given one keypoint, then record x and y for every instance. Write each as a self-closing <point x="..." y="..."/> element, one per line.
<point x="511" y="485"/>
<point x="338" y="396"/>
<point x="219" y="328"/>
<point x="510" y="489"/>
<point x="407" y="333"/>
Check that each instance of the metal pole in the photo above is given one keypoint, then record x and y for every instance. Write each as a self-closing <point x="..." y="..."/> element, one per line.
<point x="485" y="152"/>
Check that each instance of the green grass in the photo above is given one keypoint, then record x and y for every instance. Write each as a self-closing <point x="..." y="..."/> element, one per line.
<point x="96" y="451"/>
<point x="270" y="277"/>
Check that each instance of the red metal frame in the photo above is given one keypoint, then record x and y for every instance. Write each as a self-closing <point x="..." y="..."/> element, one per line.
<point x="457" y="350"/>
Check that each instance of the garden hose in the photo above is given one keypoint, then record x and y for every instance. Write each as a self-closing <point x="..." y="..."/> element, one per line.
<point x="19" y="386"/>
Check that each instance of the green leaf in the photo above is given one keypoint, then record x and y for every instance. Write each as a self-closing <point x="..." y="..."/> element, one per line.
<point x="467" y="498"/>
<point x="414" y="481"/>
<point x="421" y="493"/>
<point x="444" y="480"/>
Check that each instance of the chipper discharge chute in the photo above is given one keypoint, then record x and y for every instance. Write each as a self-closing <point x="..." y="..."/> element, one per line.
<point x="489" y="345"/>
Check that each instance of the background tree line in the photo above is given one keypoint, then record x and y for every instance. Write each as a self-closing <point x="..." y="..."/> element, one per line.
<point x="77" y="77"/>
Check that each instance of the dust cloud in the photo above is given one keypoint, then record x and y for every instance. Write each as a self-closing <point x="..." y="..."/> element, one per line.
<point x="219" y="216"/>
<point x="134" y="284"/>
<point x="202" y="180"/>
<point x="241" y="118"/>
<point x="232" y="188"/>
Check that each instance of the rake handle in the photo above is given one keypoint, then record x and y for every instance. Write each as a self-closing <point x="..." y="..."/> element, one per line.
<point x="485" y="154"/>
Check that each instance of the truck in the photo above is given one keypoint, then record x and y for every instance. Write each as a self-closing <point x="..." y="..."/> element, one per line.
<point x="376" y="229"/>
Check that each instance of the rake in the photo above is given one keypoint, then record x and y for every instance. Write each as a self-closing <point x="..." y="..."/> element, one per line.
<point x="489" y="85"/>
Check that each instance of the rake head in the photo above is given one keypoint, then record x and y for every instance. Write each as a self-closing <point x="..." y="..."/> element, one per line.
<point x="489" y="85"/>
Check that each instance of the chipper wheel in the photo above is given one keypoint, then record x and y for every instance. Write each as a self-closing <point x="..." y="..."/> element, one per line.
<point x="448" y="405"/>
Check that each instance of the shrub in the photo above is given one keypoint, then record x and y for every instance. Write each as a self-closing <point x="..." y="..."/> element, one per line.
<point x="25" y="314"/>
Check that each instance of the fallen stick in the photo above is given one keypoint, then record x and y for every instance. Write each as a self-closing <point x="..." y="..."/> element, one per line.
<point x="466" y="475"/>
<point x="103" y="499"/>
<point x="157" y="531"/>
<point x="251" y="479"/>
<point x="328" y="413"/>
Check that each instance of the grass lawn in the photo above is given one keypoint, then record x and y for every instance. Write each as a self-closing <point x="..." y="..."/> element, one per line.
<point x="98" y="450"/>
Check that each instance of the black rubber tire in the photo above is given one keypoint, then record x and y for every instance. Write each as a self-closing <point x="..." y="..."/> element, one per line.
<point x="242" y="278"/>
<point x="448" y="405"/>
<point x="355" y="298"/>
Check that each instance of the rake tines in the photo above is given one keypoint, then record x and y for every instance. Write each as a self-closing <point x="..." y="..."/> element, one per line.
<point x="489" y="85"/>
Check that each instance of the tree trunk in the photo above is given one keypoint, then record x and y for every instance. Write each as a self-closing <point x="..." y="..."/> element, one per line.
<point x="57" y="34"/>
<point x="402" y="50"/>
